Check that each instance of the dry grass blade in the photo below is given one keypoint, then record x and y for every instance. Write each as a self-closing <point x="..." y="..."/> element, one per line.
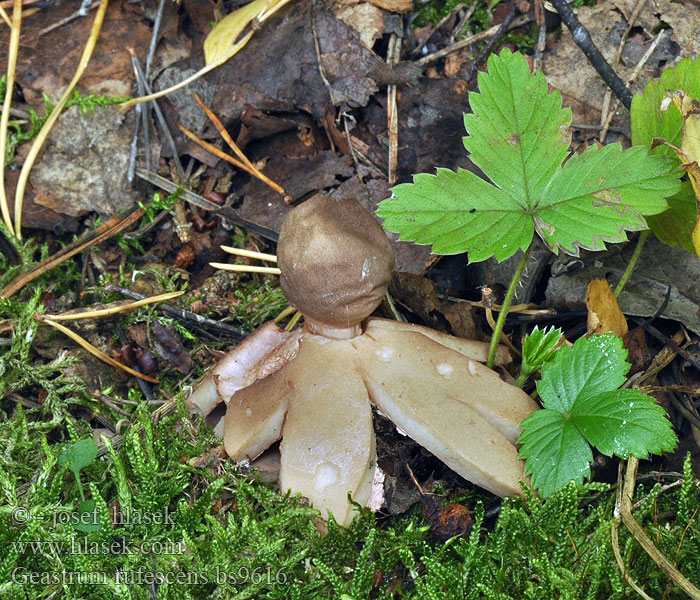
<point x="53" y="117"/>
<point x="106" y="231"/>
<point x="113" y="310"/>
<point x="504" y="338"/>
<point x="15" y="29"/>
<point x="640" y="535"/>
<point x="246" y="268"/>
<point x="5" y="17"/>
<point x="249" y="253"/>
<point x="95" y="352"/>
<point x="290" y="310"/>
<point x="251" y="20"/>
<point x="134" y="101"/>
<point x="252" y="169"/>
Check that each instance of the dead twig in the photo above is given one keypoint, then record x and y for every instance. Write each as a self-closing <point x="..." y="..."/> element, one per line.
<point x="482" y="57"/>
<point x="72" y="17"/>
<point x="631" y="80"/>
<point x="541" y="34"/>
<point x="608" y="93"/>
<point x="106" y="231"/>
<point x="226" y="212"/>
<point x="583" y="40"/>
<point x="640" y="535"/>
<point x="616" y="542"/>
<point x="676" y="348"/>
<point x="154" y="41"/>
<point x="143" y="78"/>
<point x="468" y="41"/>
<point x="184" y="315"/>
<point x="438" y="25"/>
<point x="392" y="109"/>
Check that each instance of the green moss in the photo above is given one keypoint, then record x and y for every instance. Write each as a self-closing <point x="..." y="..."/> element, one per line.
<point x="223" y="534"/>
<point x="431" y="12"/>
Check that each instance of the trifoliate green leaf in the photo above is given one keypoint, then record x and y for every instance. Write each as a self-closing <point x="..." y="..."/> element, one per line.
<point x="582" y="405"/>
<point x="675" y="225"/>
<point x="539" y="347"/>
<point x="593" y="365"/>
<point x="517" y="136"/>
<point x="555" y="450"/>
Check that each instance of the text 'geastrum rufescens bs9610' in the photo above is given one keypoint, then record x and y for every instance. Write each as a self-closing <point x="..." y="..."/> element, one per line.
<point x="313" y="387"/>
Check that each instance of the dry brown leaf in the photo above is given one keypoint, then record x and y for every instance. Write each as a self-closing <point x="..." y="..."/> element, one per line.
<point x="604" y="314"/>
<point x="366" y="19"/>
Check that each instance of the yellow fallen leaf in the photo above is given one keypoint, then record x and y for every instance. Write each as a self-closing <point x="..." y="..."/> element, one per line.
<point x="222" y="38"/>
<point x="696" y="236"/>
<point x="690" y="109"/>
<point x="604" y="314"/>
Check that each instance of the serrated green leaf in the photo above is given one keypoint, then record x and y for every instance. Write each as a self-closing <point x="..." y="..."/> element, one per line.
<point x="517" y="137"/>
<point x="599" y="194"/>
<point x="624" y="423"/>
<point x="518" y="132"/>
<point x="555" y="450"/>
<point x="648" y="121"/>
<point x="487" y="221"/>
<point x="592" y="366"/>
<point x="539" y="347"/>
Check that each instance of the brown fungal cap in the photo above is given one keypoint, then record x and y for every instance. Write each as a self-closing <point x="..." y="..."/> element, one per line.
<point x="336" y="261"/>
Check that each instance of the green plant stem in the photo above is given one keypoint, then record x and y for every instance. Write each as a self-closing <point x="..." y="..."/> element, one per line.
<point x="521" y="378"/>
<point x="80" y="485"/>
<point x="633" y="261"/>
<point x="506" y="305"/>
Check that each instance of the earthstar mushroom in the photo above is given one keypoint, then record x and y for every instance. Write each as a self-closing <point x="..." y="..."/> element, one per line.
<point x="314" y="387"/>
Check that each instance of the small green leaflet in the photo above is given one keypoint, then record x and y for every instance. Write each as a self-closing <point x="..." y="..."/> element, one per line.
<point x="583" y="406"/>
<point x="518" y="138"/>
<point x="675" y="225"/>
<point x="79" y="455"/>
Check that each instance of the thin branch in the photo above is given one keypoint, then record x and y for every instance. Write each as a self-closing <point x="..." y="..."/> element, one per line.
<point x="468" y="41"/>
<point x="183" y="315"/>
<point x="583" y="40"/>
<point x="482" y="57"/>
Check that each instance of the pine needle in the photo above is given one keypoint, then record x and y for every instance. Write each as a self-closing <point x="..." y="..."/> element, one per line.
<point x="95" y="352"/>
